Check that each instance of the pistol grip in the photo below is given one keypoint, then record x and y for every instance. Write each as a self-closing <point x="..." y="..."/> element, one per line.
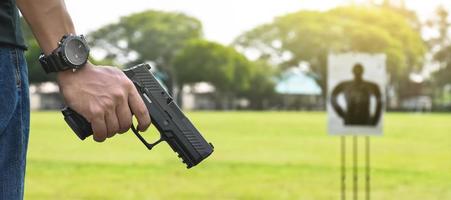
<point x="77" y="123"/>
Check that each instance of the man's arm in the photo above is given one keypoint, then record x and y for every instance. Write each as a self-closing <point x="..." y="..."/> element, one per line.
<point x="379" y="104"/>
<point x="334" y="100"/>
<point x="49" y="21"/>
<point x="103" y="95"/>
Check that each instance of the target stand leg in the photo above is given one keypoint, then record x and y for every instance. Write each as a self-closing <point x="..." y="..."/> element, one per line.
<point x="367" y="169"/>
<point x="355" y="168"/>
<point x="355" y="174"/>
<point x="343" y="167"/>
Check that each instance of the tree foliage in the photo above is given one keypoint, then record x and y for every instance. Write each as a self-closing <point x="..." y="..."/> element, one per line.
<point x="232" y="74"/>
<point x="149" y="36"/>
<point x="225" y="68"/>
<point x="442" y="77"/>
<point x="262" y="90"/>
<point x="442" y="46"/>
<point x="309" y="36"/>
<point x="35" y="72"/>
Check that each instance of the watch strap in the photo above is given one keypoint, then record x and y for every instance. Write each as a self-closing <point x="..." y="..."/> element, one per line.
<point x="52" y="63"/>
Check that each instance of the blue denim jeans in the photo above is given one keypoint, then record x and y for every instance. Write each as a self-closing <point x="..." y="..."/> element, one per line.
<point x="14" y="122"/>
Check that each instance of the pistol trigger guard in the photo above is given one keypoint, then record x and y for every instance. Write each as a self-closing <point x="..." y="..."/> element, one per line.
<point x="141" y="138"/>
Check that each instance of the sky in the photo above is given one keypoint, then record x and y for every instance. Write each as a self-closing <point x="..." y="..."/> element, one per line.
<point x="223" y="20"/>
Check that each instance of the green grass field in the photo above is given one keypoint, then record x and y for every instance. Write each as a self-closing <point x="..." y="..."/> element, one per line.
<point x="268" y="155"/>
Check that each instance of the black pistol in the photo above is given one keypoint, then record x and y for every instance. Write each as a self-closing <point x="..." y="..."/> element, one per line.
<point x="174" y="127"/>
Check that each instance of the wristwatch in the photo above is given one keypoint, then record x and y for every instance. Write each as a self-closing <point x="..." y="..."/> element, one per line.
<point x="72" y="53"/>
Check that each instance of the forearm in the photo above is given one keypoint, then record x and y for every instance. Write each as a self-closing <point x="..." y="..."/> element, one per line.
<point x="379" y="108"/>
<point x="103" y="95"/>
<point x="338" y="109"/>
<point x="49" y="21"/>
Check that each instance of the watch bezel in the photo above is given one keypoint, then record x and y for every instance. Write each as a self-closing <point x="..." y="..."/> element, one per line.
<point x="63" y="44"/>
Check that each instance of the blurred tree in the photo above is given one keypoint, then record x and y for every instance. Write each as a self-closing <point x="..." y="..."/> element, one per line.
<point x="35" y="72"/>
<point x="309" y="36"/>
<point x="149" y="36"/>
<point x="441" y="48"/>
<point x="226" y="69"/>
<point x="403" y="82"/>
<point x="262" y="92"/>
<point x="442" y="25"/>
<point x="399" y="6"/>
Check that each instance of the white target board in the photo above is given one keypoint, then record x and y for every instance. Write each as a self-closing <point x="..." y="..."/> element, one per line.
<point x="356" y="93"/>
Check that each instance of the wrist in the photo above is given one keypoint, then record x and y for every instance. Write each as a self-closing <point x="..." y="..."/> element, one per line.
<point x="72" y="53"/>
<point x="63" y="75"/>
<point x="50" y="43"/>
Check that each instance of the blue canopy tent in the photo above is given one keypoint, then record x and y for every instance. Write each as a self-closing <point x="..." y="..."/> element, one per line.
<point x="299" y="90"/>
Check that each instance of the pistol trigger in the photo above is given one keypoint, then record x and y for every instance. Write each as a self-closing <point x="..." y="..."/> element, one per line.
<point x="141" y="138"/>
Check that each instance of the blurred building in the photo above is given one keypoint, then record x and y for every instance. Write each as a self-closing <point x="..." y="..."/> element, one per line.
<point x="199" y="96"/>
<point x="417" y="97"/>
<point x="45" y="96"/>
<point x="299" y="91"/>
<point x="418" y="104"/>
<point x="296" y="89"/>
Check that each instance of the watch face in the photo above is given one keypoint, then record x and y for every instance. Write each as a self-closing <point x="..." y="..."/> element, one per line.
<point x="76" y="51"/>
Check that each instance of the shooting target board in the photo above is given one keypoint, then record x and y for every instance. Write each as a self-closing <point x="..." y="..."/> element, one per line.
<point x="356" y="93"/>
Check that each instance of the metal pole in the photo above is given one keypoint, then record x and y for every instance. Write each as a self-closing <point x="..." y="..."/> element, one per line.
<point x="355" y="172"/>
<point x="368" y="168"/>
<point x="343" y="168"/>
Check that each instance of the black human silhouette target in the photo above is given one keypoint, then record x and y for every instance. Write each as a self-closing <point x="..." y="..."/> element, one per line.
<point x="356" y="94"/>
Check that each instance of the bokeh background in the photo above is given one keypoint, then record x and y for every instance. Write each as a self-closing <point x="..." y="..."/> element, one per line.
<point x="252" y="76"/>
